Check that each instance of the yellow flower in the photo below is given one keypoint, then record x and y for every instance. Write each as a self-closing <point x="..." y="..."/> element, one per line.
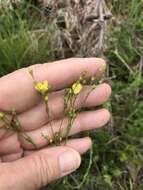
<point x="42" y="87"/>
<point x="77" y="87"/>
<point x="1" y="115"/>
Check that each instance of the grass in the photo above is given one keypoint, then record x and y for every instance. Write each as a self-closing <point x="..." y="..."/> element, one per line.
<point x="118" y="148"/>
<point x="19" y="46"/>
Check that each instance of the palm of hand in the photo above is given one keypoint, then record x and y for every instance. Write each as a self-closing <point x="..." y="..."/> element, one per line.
<point x="17" y="91"/>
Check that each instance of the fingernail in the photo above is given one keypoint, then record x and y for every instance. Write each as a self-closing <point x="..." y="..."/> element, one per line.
<point x="69" y="161"/>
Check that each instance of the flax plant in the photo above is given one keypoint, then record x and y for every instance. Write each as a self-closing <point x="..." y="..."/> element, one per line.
<point x="15" y="125"/>
<point x="43" y="89"/>
<point x="70" y="97"/>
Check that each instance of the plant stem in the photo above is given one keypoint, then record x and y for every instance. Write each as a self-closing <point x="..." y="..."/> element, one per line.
<point x="48" y="113"/>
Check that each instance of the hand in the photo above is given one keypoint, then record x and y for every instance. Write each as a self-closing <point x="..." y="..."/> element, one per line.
<point x="39" y="167"/>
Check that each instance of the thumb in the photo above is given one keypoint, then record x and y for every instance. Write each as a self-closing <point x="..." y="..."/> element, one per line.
<point x="39" y="169"/>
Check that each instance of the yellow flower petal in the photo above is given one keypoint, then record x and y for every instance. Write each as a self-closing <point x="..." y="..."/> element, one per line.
<point x="77" y="87"/>
<point x="42" y="87"/>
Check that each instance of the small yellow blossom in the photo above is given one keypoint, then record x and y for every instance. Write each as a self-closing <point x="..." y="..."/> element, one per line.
<point x="1" y="115"/>
<point x="42" y="87"/>
<point x="77" y="87"/>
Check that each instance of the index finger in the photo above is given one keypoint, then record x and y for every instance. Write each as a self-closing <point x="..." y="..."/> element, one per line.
<point x="16" y="89"/>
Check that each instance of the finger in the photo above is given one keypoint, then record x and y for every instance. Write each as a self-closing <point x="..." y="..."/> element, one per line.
<point x="12" y="157"/>
<point x="39" y="169"/>
<point x="4" y="133"/>
<point x="21" y="95"/>
<point x="1" y="121"/>
<point x="1" y="124"/>
<point x="37" y="116"/>
<point x="10" y="145"/>
<point x="81" y="145"/>
<point x="84" y="121"/>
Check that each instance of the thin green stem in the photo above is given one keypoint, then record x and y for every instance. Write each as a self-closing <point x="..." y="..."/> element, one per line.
<point x="16" y="126"/>
<point x="6" y="123"/>
<point x="79" y="186"/>
<point x="48" y="113"/>
<point x="93" y="88"/>
<point x="65" y="112"/>
<point x="70" y="124"/>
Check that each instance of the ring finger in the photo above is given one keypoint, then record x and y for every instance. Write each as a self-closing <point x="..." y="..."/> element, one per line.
<point x="84" y="121"/>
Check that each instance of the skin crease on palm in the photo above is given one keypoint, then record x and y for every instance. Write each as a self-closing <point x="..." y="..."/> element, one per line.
<point x="16" y="90"/>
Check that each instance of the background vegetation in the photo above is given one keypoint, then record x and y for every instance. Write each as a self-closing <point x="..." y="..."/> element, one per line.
<point x="118" y="148"/>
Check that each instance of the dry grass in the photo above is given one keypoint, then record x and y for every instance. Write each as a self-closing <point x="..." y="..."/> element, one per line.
<point x="82" y="25"/>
